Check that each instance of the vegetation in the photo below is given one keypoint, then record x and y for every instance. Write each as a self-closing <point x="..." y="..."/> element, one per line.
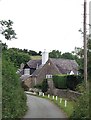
<point x="7" y="30"/>
<point x="44" y="85"/>
<point x="13" y="97"/>
<point x="66" y="81"/>
<point x="81" y="107"/>
<point x="60" y="81"/>
<point x="73" y="81"/>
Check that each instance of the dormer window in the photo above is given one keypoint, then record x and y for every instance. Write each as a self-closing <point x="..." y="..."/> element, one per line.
<point x="27" y="71"/>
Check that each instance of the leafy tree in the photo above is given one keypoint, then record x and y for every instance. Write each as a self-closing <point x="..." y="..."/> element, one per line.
<point x="13" y="96"/>
<point x="67" y="55"/>
<point x="89" y="57"/>
<point x="55" y="54"/>
<point x="33" y="53"/>
<point x="7" y="30"/>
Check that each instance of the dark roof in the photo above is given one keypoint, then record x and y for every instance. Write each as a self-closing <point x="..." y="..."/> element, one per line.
<point x="65" y="65"/>
<point x="34" y="63"/>
<point x="37" y="71"/>
<point x="24" y="77"/>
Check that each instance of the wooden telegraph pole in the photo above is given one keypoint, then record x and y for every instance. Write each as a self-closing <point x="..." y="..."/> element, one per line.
<point x="85" y="43"/>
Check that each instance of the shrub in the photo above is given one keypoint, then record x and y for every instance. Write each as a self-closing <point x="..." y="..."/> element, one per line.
<point x="66" y="81"/>
<point x="39" y="86"/>
<point x="60" y="81"/>
<point x="73" y="81"/>
<point x="81" y="108"/>
<point x="13" y="97"/>
<point x="44" y="85"/>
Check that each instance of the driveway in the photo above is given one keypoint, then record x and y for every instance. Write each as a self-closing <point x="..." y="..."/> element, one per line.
<point x="42" y="108"/>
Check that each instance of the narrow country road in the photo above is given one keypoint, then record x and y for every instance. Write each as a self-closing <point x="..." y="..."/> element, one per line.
<point x="42" y="108"/>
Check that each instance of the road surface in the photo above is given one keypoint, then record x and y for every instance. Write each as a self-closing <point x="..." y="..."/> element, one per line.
<point x="42" y="108"/>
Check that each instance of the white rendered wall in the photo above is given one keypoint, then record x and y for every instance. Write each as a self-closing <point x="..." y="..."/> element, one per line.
<point x="27" y="71"/>
<point x="45" y="57"/>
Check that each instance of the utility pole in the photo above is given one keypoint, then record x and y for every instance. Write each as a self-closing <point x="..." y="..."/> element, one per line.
<point x="85" y="43"/>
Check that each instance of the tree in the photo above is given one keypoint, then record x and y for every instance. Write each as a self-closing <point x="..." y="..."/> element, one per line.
<point x="7" y="30"/>
<point x="67" y="55"/>
<point x="13" y="97"/>
<point x="44" y="85"/>
<point x="89" y="57"/>
<point x="55" y="54"/>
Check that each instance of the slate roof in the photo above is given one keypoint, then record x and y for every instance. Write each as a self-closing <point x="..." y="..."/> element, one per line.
<point x="65" y="65"/>
<point x="34" y="63"/>
<point x="37" y="71"/>
<point x="24" y="77"/>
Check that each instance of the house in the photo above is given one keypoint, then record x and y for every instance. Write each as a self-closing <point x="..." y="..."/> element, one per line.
<point x="34" y="71"/>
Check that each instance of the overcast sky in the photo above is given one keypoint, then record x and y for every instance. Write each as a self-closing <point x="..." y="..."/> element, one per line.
<point x="44" y="24"/>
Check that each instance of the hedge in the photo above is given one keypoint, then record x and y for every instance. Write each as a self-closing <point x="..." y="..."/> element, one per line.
<point x="66" y="81"/>
<point x="73" y="81"/>
<point x="60" y="81"/>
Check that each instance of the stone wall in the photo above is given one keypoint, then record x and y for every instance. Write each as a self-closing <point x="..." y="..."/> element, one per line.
<point x="65" y="93"/>
<point x="73" y="95"/>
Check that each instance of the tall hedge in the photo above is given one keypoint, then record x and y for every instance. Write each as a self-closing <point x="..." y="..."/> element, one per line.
<point x="66" y="81"/>
<point x="60" y="81"/>
<point x="73" y="81"/>
<point x="13" y="97"/>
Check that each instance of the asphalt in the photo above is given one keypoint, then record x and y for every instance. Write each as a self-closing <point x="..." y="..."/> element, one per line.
<point x="42" y="108"/>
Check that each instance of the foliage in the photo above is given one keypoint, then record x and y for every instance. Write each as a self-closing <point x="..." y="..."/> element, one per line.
<point x="44" y="85"/>
<point x="79" y="52"/>
<point x="39" y="86"/>
<point x="13" y="97"/>
<point x="66" y="81"/>
<point x="81" y="87"/>
<point x="60" y="81"/>
<point x="55" y="54"/>
<point x="7" y="30"/>
<point x="89" y="57"/>
<point x="67" y="55"/>
<point x="81" y="108"/>
<point x="16" y="57"/>
<point x="73" y="81"/>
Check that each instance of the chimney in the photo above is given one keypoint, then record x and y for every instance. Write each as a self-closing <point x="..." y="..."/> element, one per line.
<point x="45" y="57"/>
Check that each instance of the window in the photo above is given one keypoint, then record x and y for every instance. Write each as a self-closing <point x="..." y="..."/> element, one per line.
<point x="27" y="71"/>
<point x="48" y="76"/>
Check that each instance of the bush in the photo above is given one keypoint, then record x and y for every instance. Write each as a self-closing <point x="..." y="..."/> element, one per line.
<point x="13" y="97"/>
<point x="39" y="86"/>
<point x="66" y="81"/>
<point x="81" y="108"/>
<point x="73" y="81"/>
<point x="44" y="85"/>
<point x="60" y="81"/>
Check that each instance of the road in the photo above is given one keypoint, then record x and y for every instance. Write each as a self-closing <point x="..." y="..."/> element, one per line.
<point x="42" y="108"/>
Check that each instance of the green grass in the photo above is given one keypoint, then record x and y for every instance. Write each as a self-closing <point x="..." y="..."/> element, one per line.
<point x="35" y="57"/>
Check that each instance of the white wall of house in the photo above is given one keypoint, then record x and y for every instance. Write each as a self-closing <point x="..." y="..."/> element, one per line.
<point x="45" y="57"/>
<point x="27" y="71"/>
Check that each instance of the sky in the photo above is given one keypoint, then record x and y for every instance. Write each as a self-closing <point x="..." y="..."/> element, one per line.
<point x="44" y="24"/>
